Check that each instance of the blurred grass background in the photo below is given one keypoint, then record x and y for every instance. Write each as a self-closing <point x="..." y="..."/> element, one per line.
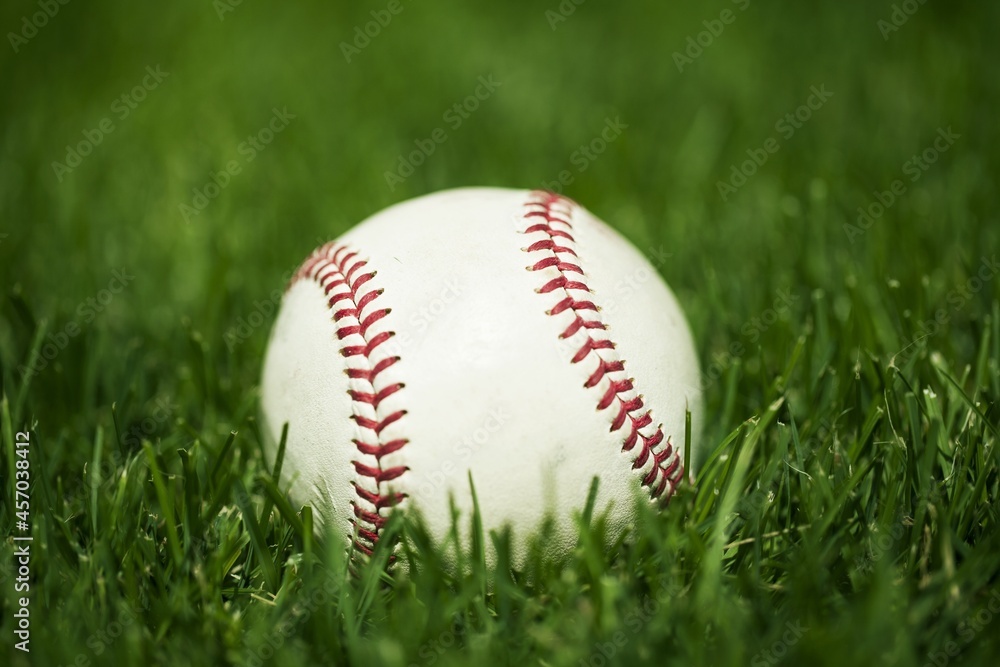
<point x="657" y="182"/>
<point x="856" y="302"/>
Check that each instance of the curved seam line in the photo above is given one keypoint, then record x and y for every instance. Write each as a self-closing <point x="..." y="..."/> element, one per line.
<point x="353" y="306"/>
<point x="552" y="215"/>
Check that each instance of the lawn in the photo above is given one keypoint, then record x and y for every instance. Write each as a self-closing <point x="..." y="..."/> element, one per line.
<point x="816" y="181"/>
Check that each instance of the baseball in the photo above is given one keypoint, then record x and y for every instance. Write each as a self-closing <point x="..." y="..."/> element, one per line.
<point x="506" y="334"/>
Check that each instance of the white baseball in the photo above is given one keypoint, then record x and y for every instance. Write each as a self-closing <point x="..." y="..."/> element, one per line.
<point x="503" y="333"/>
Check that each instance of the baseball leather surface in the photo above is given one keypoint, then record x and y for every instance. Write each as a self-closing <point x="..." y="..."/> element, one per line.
<point x="506" y="333"/>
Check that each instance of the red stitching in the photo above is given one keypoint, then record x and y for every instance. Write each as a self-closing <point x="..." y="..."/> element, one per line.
<point x="342" y="275"/>
<point x="555" y="219"/>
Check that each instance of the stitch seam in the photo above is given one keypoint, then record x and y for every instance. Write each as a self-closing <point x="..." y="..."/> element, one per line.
<point x="344" y="278"/>
<point x="549" y="218"/>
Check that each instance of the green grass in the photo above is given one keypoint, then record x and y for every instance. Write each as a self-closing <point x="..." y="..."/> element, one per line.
<point x="848" y="510"/>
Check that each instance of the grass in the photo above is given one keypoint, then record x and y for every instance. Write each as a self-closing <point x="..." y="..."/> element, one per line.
<point x="847" y="512"/>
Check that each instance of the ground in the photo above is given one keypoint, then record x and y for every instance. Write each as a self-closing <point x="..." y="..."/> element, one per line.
<point x="816" y="181"/>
